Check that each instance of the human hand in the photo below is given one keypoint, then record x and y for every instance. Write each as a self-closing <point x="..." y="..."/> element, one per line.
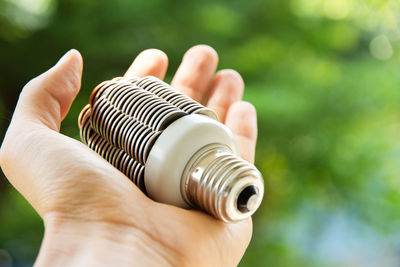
<point x="93" y="214"/>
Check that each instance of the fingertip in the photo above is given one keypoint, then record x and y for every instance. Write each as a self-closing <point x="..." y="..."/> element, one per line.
<point x="152" y="62"/>
<point x="75" y="54"/>
<point x="242" y="119"/>
<point x="231" y="75"/>
<point x="196" y="72"/>
<point x="67" y="73"/>
<point x="204" y="54"/>
<point x="203" y="58"/>
<point x="48" y="97"/>
<point x="156" y="54"/>
<point x="226" y="89"/>
<point x="72" y="58"/>
<point x="245" y="108"/>
<point x="76" y="57"/>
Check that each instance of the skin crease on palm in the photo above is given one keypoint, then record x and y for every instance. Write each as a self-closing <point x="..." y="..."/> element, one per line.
<point x="95" y="216"/>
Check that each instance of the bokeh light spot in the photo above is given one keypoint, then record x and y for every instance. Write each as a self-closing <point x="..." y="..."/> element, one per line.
<point x="338" y="9"/>
<point x="38" y="7"/>
<point x="381" y="48"/>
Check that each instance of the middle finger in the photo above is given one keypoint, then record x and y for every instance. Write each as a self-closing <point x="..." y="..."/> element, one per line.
<point x="196" y="72"/>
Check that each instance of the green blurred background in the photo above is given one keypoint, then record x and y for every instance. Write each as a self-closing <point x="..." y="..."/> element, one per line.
<point x="323" y="75"/>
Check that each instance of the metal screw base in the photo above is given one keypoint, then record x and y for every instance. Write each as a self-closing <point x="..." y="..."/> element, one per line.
<point x="222" y="183"/>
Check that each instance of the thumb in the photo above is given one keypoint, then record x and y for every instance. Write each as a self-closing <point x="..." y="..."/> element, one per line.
<point x="46" y="99"/>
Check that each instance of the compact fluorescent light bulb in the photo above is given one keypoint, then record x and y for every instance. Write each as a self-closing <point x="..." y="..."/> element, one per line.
<point x="173" y="148"/>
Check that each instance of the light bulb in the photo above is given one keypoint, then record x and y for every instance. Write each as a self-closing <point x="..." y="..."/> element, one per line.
<point x="173" y="148"/>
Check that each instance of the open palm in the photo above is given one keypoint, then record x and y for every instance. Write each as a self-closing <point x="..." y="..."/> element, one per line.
<point x="93" y="214"/>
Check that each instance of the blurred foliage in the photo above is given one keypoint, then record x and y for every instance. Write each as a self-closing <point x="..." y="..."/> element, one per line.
<point x="323" y="75"/>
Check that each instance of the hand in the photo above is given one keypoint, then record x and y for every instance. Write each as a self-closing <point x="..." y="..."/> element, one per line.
<point x="93" y="214"/>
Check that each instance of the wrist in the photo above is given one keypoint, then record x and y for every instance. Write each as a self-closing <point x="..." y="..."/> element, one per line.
<point x="73" y="242"/>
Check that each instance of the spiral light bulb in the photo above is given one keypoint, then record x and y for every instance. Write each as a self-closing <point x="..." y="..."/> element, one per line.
<point x="173" y="148"/>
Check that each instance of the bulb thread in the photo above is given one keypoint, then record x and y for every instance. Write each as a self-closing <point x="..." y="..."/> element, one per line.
<point x="215" y="177"/>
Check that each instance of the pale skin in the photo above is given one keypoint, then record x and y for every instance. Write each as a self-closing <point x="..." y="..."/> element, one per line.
<point x="93" y="215"/>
